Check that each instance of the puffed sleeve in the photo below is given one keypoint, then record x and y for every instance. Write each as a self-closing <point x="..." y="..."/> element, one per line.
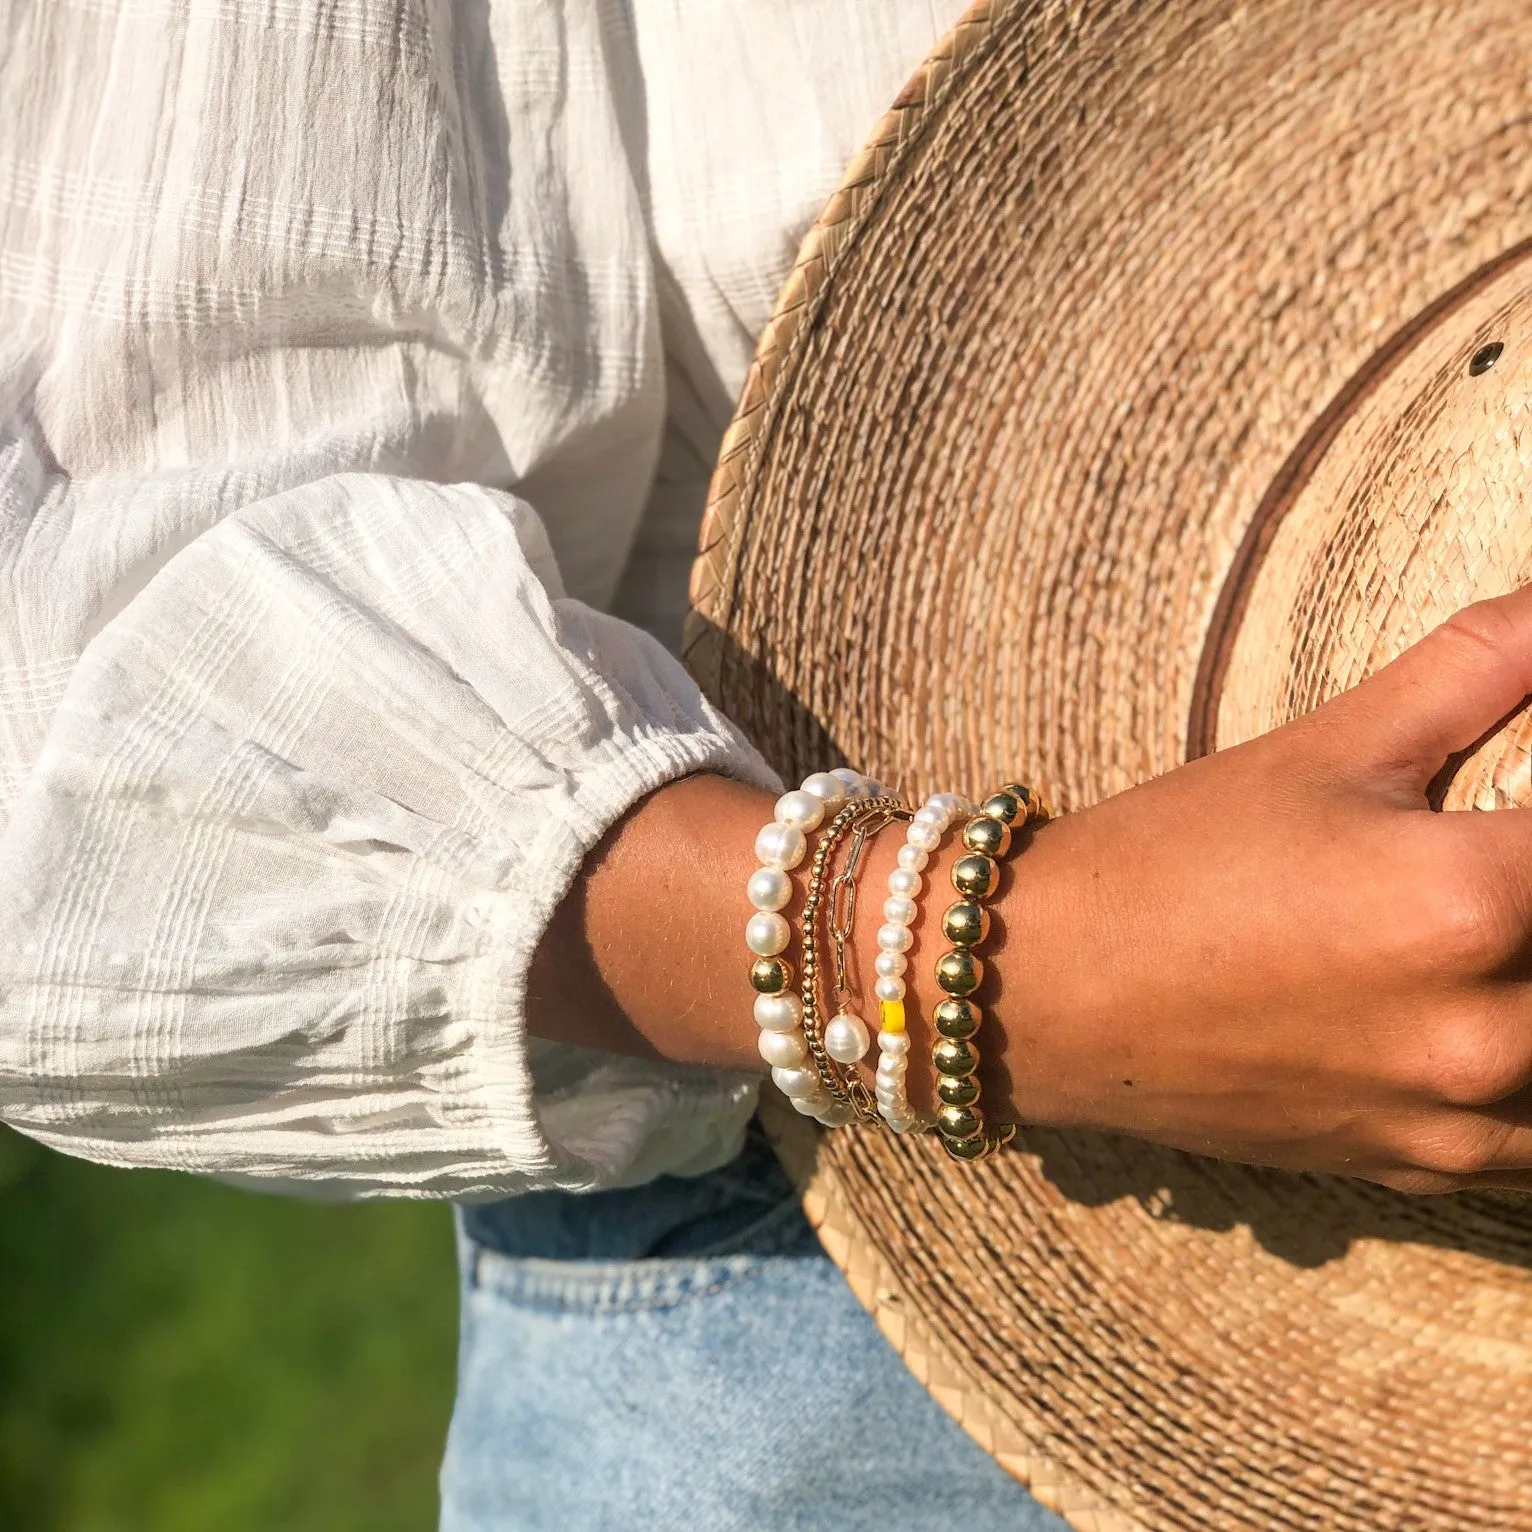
<point x="270" y="891"/>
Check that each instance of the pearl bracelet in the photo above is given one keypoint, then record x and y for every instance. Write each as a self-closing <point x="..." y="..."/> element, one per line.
<point x="923" y="836"/>
<point x="780" y="846"/>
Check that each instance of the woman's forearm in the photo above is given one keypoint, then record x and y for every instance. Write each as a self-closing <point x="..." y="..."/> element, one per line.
<point x="646" y="954"/>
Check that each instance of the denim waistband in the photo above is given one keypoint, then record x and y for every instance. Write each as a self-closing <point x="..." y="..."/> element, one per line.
<point x="671" y="1217"/>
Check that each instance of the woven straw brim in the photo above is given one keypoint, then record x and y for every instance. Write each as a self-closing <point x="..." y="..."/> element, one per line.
<point x="1109" y="414"/>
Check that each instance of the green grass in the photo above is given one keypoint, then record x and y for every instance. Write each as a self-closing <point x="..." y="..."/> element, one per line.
<point x="176" y="1356"/>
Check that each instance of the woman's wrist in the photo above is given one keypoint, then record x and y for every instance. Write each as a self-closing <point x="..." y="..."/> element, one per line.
<point x="646" y="955"/>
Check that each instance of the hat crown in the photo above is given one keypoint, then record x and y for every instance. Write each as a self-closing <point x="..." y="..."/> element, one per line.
<point x="1420" y="503"/>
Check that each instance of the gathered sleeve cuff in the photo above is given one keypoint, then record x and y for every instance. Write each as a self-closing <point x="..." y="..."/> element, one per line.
<point x="269" y="896"/>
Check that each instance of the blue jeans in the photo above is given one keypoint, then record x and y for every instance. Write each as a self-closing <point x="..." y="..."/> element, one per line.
<point x="684" y="1356"/>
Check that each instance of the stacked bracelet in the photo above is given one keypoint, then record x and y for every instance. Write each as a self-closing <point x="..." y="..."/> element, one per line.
<point x="924" y="835"/>
<point x="844" y="1039"/>
<point x="781" y="846"/>
<point x="975" y="875"/>
<point x="813" y="1062"/>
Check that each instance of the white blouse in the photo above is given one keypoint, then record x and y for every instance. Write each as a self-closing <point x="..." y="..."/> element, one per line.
<point x="358" y="359"/>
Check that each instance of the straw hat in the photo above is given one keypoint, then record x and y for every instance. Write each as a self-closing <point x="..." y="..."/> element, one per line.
<point x="1143" y="372"/>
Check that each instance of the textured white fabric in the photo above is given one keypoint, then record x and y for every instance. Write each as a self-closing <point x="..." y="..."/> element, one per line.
<point x="339" y="339"/>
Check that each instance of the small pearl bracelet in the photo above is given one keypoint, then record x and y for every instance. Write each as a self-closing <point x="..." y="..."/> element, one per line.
<point x="781" y="846"/>
<point x="923" y="836"/>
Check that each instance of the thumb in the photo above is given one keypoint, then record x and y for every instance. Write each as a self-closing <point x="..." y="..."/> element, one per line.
<point x="1439" y="697"/>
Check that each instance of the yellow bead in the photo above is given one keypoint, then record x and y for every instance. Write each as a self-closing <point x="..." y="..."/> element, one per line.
<point x="893" y="1016"/>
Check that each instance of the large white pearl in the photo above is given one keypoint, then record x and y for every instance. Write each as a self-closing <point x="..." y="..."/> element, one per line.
<point x="779" y="1013"/>
<point x="889" y="965"/>
<point x="767" y="934"/>
<point x="803" y="811"/>
<point x="831" y="791"/>
<point x="893" y="1045"/>
<point x="952" y="804"/>
<point x="931" y="815"/>
<point x="889" y="989"/>
<point x="904" y="882"/>
<point x="846" y="1038"/>
<point x="780" y="846"/>
<point x="893" y="1066"/>
<point x="892" y="938"/>
<point x="898" y="911"/>
<point x="926" y="836"/>
<point x="912" y="858"/>
<point x="782" y="1050"/>
<point x="769" y="888"/>
<point x="797" y="1082"/>
<point x="810" y="1106"/>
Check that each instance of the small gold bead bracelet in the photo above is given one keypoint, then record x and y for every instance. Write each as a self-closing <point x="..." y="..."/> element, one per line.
<point x="987" y="837"/>
<point x="860" y="820"/>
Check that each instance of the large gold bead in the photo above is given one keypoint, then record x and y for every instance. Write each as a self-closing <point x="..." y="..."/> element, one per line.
<point x="958" y="1091"/>
<point x="965" y="924"/>
<point x="1020" y="792"/>
<point x="975" y="1148"/>
<point x="987" y="836"/>
<point x="955" y="1059"/>
<point x="981" y="1146"/>
<point x="770" y="975"/>
<point x="1004" y="806"/>
<point x="975" y="877"/>
<point x="960" y="1121"/>
<point x="956" y="1018"/>
<point x="958" y="972"/>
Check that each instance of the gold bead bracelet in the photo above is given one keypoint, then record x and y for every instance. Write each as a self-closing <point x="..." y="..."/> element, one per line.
<point x="987" y="837"/>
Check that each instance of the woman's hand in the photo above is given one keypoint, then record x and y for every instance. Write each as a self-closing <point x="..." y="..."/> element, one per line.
<point x="1279" y="954"/>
